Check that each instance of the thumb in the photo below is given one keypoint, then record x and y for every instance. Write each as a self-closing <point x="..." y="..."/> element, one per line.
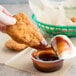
<point x="7" y="20"/>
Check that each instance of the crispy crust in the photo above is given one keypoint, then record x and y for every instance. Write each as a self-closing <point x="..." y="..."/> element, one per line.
<point x="73" y="19"/>
<point x="24" y="31"/>
<point x="11" y="44"/>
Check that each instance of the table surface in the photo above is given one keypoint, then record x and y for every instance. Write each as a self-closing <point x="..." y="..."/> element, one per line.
<point x="5" y="70"/>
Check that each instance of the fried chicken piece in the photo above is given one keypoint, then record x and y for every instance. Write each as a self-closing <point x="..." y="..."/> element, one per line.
<point x="24" y="31"/>
<point x="11" y="44"/>
<point x="73" y="19"/>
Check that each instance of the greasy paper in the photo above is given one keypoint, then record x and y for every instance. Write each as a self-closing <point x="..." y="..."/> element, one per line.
<point x="23" y="62"/>
<point x="47" y="12"/>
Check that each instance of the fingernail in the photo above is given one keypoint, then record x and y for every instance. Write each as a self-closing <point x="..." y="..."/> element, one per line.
<point x="13" y="20"/>
<point x="44" y="42"/>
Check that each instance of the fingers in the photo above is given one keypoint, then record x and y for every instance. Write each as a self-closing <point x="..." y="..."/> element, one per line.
<point x="4" y="11"/>
<point x="2" y="28"/>
<point x="7" y="20"/>
<point x="5" y="17"/>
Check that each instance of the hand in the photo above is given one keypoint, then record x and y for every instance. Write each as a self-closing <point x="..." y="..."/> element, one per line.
<point x="5" y="19"/>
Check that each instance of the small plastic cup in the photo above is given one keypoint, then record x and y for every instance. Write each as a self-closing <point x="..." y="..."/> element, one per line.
<point x="46" y="66"/>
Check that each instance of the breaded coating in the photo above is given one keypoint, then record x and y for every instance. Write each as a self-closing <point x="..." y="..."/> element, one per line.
<point x="24" y="31"/>
<point x="13" y="45"/>
<point x="73" y="19"/>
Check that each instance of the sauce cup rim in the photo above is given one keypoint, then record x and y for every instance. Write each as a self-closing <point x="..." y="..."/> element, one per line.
<point x="44" y="61"/>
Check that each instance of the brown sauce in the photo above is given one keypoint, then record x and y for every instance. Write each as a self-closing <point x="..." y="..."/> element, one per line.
<point x="47" y="57"/>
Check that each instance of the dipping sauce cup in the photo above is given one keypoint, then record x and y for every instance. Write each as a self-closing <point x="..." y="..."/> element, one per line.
<point x="46" y="60"/>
